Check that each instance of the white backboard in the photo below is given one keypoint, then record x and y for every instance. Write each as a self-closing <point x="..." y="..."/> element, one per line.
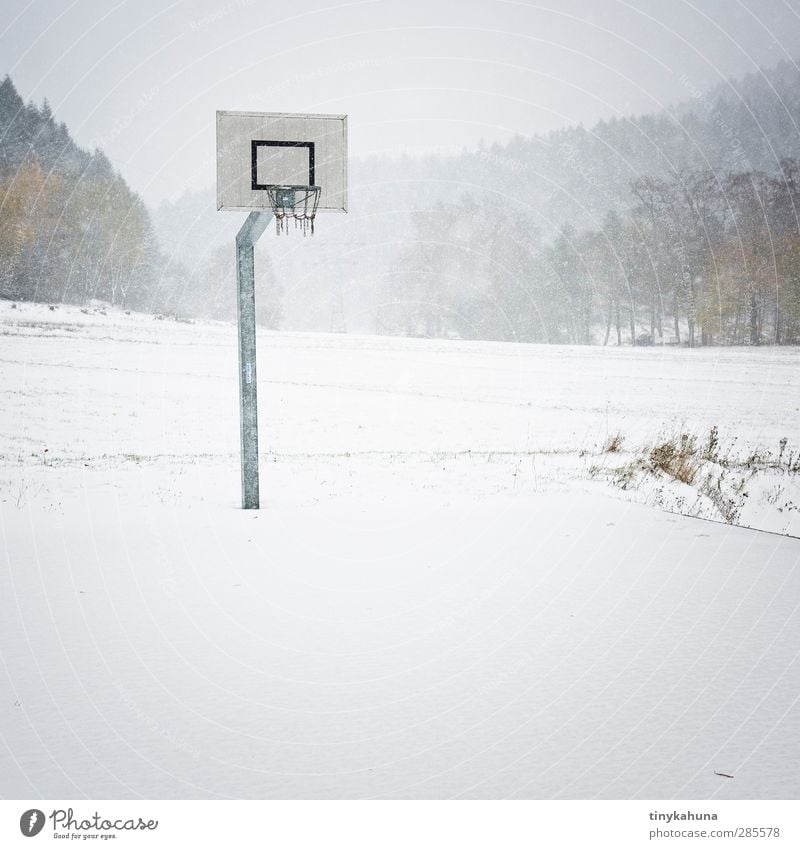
<point x="260" y="149"/>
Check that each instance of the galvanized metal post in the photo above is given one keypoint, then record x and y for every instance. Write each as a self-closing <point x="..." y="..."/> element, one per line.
<point x="246" y="238"/>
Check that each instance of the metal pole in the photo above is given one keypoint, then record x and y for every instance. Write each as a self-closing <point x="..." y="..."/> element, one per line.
<point x="252" y="228"/>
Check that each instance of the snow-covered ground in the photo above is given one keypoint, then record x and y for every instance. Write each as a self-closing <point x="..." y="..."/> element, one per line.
<point x="442" y="595"/>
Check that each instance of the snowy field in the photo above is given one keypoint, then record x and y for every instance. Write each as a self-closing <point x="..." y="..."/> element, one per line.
<point x="447" y="592"/>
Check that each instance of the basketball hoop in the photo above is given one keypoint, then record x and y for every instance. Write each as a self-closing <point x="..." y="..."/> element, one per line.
<point x="298" y="202"/>
<point x="270" y="163"/>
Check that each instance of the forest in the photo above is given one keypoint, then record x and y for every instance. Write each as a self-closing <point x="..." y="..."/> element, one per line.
<point x="72" y="231"/>
<point x="677" y="228"/>
<point x="699" y="259"/>
<point x="681" y="227"/>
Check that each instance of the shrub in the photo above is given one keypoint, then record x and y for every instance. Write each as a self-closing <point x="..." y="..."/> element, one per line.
<point x="613" y="444"/>
<point x="676" y="457"/>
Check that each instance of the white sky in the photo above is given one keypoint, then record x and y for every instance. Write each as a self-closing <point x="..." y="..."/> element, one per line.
<point x="142" y="79"/>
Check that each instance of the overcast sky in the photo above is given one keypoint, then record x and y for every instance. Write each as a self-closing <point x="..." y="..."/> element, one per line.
<point x="142" y="79"/>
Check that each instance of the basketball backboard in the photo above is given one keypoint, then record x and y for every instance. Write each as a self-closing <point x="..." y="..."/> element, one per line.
<point x="258" y="151"/>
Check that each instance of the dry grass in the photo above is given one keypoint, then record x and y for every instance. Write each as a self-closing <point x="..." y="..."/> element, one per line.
<point x="677" y="457"/>
<point x="719" y="475"/>
<point x="613" y="445"/>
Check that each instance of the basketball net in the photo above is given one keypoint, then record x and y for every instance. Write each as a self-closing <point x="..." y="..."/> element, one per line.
<point x="297" y="202"/>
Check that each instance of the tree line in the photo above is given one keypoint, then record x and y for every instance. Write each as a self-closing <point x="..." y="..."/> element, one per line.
<point x="685" y="255"/>
<point x="72" y="231"/>
<point x="697" y="260"/>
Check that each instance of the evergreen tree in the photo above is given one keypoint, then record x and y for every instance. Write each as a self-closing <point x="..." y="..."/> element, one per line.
<point x="71" y="228"/>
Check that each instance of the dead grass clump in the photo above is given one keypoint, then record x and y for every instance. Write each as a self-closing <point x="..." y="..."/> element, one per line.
<point x="727" y="497"/>
<point x="716" y="471"/>
<point x="677" y="457"/>
<point x="711" y="448"/>
<point x="613" y="445"/>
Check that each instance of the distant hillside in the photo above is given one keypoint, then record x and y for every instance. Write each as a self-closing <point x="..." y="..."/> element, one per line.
<point x="72" y="231"/>
<point x="30" y="131"/>
<point x="576" y="175"/>
<point x="71" y="228"/>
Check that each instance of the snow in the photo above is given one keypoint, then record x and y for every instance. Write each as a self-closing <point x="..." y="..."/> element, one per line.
<point x="436" y="598"/>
